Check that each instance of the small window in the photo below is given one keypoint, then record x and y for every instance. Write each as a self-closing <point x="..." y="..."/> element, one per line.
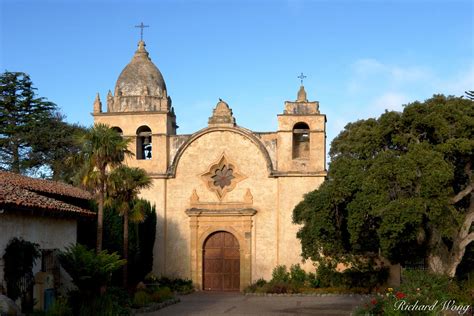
<point x="301" y="141"/>
<point x="144" y="147"/>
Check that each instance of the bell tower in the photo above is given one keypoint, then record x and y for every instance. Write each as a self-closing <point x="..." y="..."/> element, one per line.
<point x="301" y="136"/>
<point x="141" y="110"/>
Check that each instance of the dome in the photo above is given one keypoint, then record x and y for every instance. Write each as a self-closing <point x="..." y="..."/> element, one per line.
<point x="141" y="77"/>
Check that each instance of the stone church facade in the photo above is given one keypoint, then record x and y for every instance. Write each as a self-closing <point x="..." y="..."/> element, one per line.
<point x="224" y="195"/>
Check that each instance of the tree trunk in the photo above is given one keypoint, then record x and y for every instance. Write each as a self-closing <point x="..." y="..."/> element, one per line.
<point x="438" y="253"/>
<point x="16" y="158"/>
<point x="100" y="217"/>
<point x="125" y="248"/>
<point x="444" y="261"/>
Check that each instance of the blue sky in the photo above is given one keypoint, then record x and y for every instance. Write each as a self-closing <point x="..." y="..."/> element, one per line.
<point x="360" y="57"/>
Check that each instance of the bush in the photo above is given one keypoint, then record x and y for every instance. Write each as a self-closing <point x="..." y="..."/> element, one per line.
<point x="89" y="271"/>
<point x="280" y="274"/>
<point x="103" y="305"/>
<point x="279" y="287"/>
<point x="141" y="299"/>
<point x="115" y="301"/>
<point x="19" y="258"/>
<point x="433" y="286"/>
<point x="420" y="287"/>
<point x="366" y="276"/>
<point x="181" y="286"/>
<point x="164" y="293"/>
<point x="60" y="307"/>
<point x="297" y="275"/>
<point x="312" y="280"/>
<point x="253" y="287"/>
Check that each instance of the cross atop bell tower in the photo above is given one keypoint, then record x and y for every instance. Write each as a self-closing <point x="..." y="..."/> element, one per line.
<point x="141" y="26"/>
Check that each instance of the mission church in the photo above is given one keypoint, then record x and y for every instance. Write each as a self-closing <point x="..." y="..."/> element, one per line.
<point x="224" y="195"/>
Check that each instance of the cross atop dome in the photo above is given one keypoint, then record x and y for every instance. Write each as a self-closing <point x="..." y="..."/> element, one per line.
<point x="141" y="26"/>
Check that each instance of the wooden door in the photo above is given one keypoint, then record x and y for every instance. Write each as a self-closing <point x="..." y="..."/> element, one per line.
<point x="221" y="263"/>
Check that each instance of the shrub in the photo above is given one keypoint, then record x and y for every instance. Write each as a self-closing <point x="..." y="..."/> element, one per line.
<point x="19" y="258"/>
<point x="164" y="293"/>
<point x="327" y="275"/>
<point x="279" y="287"/>
<point x="366" y="276"/>
<point x="103" y="305"/>
<point x="155" y="297"/>
<point x="280" y="274"/>
<point x="433" y="286"/>
<point x="181" y="286"/>
<point x="418" y="287"/>
<point x="297" y="275"/>
<point x="312" y="280"/>
<point x="89" y="271"/>
<point x="253" y="287"/>
<point x="60" y="307"/>
<point x="141" y="298"/>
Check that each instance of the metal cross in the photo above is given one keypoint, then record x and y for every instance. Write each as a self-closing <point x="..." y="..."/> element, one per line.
<point x="141" y="26"/>
<point x="301" y="78"/>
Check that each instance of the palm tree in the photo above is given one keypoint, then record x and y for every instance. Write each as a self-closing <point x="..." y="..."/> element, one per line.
<point x="102" y="149"/>
<point x="124" y="185"/>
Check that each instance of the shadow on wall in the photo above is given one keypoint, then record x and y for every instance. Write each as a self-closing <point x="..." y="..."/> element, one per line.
<point x="171" y="260"/>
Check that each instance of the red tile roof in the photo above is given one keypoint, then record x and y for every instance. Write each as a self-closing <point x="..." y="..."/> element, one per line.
<point x="21" y="192"/>
<point x="46" y="186"/>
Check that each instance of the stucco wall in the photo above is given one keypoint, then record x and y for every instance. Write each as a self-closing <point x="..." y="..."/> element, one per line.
<point x="196" y="160"/>
<point x="273" y="234"/>
<point x="49" y="233"/>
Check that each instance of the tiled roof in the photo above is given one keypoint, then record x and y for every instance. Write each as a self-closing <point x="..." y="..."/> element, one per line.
<point x="17" y="192"/>
<point x="46" y="186"/>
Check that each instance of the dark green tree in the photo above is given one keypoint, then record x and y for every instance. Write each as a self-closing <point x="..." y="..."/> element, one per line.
<point x="125" y="183"/>
<point x="400" y="184"/>
<point x="470" y="94"/>
<point x="102" y="149"/>
<point x="56" y="144"/>
<point x="34" y="138"/>
<point x="21" y="112"/>
<point x="141" y="239"/>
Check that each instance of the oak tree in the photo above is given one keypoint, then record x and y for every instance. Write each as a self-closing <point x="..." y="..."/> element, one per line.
<point x="400" y="185"/>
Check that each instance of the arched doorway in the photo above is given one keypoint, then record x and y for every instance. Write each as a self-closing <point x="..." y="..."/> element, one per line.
<point x="221" y="262"/>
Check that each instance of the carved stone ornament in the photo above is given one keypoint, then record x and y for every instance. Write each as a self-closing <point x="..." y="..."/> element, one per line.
<point x="222" y="177"/>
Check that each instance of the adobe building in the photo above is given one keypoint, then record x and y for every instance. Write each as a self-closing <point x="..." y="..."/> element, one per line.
<point x="224" y="195"/>
<point x="46" y="213"/>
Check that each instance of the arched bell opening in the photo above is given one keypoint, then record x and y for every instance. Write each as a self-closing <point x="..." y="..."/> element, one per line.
<point x="301" y="141"/>
<point x="144" y="143"/>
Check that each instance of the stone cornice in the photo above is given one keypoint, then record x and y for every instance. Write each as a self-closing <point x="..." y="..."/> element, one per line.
<point x="302" y="174"/>
<point x="196" y="212"/>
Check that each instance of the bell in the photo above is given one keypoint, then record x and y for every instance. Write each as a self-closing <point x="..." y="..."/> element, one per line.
<point x="148" y="155"/>
<point x="146" y="141"/>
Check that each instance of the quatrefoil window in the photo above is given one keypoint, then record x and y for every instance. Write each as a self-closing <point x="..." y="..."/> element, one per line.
<point x="222" y="177"/>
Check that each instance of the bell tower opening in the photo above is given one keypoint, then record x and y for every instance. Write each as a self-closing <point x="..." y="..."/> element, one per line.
<point x="301" y="140"/>
<point x="144" y="145"/>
